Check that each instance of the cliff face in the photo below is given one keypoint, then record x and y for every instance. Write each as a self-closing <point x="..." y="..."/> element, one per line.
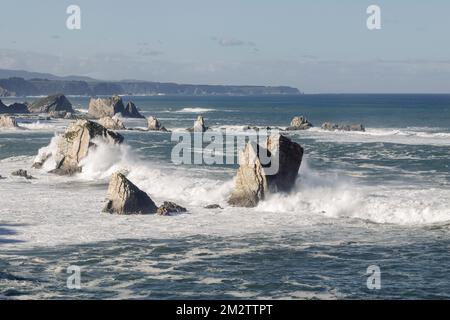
<point x="33" y="87"/>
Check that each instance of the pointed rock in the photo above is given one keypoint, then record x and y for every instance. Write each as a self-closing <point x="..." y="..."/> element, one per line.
<point x="131" y="111"/>
<point x="255" y="180"/>
<point x="199" y="125"/>
<point x="75" y="143"/>
<point x="125" y="198"/>
<point x="57" y="102"/>
<point x="155" y="125"/>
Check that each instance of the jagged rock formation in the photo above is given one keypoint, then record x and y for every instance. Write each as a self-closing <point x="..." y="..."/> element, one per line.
<point x="131" y="111"/>
<point x="109" y="107"/>
<point x="75" y="143"/>
<point x="57" y="102"/>
<point x="13" y="108"/>
<point x="255" y="179"/>
<point x="8" y="122"/>
<point x="199" y="125"/>
<point x="335" y="127"/>
<point x="125" y="198"/>
<point x="299" y="123"/>
<point x="112" y="123"/>
<point x="155" y="125"/>
<point x="169" y="208"/>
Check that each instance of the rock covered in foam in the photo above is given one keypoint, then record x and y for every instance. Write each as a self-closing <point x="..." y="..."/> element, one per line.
<point x="169" y="208"/>
<point x="74" y="145"/>
<point x="126" y="198"/>
<point x="255" y="178"/>
<point x="335" y="127"/>
<point x="112" y="123"/>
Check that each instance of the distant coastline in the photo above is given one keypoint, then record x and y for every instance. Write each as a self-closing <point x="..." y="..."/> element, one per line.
<point x="16" y="83"/>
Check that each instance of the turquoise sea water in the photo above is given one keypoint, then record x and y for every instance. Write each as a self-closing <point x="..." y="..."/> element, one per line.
<point x="375" y="198"/>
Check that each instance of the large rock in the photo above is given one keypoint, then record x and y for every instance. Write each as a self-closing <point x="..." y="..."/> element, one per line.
<point x="8" y="122"/>
<point x="105" y="107"/>
<point x="255" y="180"/>
<point x="76" y="142"/>
<point x="335" y="127"/>
<point x="57" y="102"/>
<point x="155" y="125"/>
<point x="125" y="198"/>
<point x="199" y="125"/>
<point x="112" y="123"/>
<point x="13" y="108"/>
<point x="299" y="123"/>
<point x="131" y="111"/>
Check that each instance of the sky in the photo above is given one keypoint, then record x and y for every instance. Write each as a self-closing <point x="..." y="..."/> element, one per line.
<point x="317" y="46"/>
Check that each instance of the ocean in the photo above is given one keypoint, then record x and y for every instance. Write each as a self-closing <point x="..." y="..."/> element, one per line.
<point x="362" y="199"/>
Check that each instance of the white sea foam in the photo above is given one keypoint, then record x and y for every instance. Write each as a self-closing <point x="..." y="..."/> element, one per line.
<point x="195" y="110"/>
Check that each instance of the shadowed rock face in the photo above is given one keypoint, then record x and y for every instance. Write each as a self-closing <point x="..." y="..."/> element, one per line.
<point x="253" y="180"/>
<point x="75" y="143"/>
<point x="105" y="107"/>
<point x="8" y="122"/>
<point x="113" y="123"/>
<point x="155" y="125"/>
<point x="131" y="111"/>
<point x="57" y="102"/>
<point x="125" y="198"/>
<point x="13" y="108"/>
<point x="299" y="123"/>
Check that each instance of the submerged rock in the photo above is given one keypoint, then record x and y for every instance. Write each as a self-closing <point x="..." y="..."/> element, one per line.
<point x="126" y="198"/>
<point x="254" y="179"/>
<point x="57" y="102"/>
<point x="112" y="123"/>
<point x="299" y="123"/>
<point x="213" y="206"/>
<point x="131" y="111"/>
<point x="8" y="122"/>
<point x="169" y="208"/>
<point x="75" y="143"/>
<point x="155" y="125"/>
<point x="199" y="125"/>
<point x="335" y="127"/>
<point x="22" y="173"/>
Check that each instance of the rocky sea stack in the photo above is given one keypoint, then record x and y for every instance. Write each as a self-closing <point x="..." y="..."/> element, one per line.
<point x="155" y="125"/>
<point x="109" y="107"/>
<point x="112" y="123"/>
<point x="125" y="198"/>
<point x="299" y="123"/>
<point x="74" y="145"/>
<point x="255" y="180"/>
<point x="199" y="125"/>
<point x="53" y="103"/>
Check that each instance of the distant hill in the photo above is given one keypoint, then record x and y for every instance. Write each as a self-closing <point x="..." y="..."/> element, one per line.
<point x="24" y="83"/>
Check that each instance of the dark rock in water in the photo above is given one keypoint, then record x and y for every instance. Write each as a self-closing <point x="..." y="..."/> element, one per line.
<point x="335" y="127"/>
<point x="8" y="122"/>
<point x="105" y="107"/>
<point x="57" y="102"/>
<point x="299" y="123"/>
<point x="131" y="111"/>
<point x="74" y="145"/>
<point x="22" y="173"/>
<point x="199" y="125"/>
<point x="125" y="198"/>
<point x="213" y="206"/>
<point x="18" y="108"/>
<point x="254" y="180"/>
<point x="169" y="208"/>
<point x="155" y="125"/>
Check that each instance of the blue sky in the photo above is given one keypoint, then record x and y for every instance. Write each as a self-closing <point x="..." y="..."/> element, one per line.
<point x="320" y="46"/>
